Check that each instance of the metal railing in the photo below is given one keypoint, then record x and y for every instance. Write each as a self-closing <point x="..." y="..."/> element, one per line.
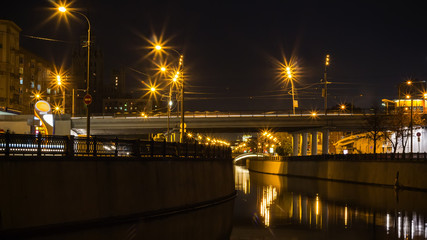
<point x="411" y="157"/>
<point x="234" y="114"/>
<point x="98" y="146"/>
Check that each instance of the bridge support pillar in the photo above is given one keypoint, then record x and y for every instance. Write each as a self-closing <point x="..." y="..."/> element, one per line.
<point x="314" y="143"/>
<point x="304" y="144"/>
<point x="295" y="145"/>
<point x="325" y="141"/>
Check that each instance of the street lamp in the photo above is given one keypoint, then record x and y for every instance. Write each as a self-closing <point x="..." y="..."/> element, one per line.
<point x="289" y="76"/>
<point x="61" y="86"/>
<point x="180" y="73"/>
<point x="63" y="10"/>
<point x="326" y="84"/>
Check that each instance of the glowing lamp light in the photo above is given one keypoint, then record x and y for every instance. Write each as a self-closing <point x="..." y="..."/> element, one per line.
<point x="153" y="89"/>
<point x="162" y="69"/>
<point x="62" y="9"/>
<point x="158" y="47"/>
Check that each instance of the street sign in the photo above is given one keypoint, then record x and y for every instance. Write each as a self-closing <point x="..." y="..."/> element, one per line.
<point x="87" y="99"/>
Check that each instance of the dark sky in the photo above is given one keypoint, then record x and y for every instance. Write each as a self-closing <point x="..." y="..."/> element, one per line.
<point x="230" y="47"/>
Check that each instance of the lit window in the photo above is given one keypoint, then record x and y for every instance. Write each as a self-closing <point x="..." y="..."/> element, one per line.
<point x="32" y="84"/>
<point x="48" y="91"/>
<point x="39" y="87"/>
<point x="21" y="80"/>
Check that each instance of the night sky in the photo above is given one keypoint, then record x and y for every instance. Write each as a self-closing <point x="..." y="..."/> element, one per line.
<point x="231" y="48"/>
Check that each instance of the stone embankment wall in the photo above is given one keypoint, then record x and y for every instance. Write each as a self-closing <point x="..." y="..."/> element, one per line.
<point x="411" y="173"/>
<point x="55" y="190"/>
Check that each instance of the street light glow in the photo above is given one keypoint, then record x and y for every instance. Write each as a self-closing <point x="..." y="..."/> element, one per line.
<point x="158" y="47"/>
<point x="62" y="9"/>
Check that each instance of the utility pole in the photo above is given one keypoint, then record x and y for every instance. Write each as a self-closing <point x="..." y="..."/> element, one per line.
<point x="325" y="89"/>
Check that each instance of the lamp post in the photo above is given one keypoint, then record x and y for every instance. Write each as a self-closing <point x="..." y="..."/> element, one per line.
<point x="60" y="85"/>
<point x="289" y="77"/>
<point x="63" y="10"/>
<point x="180" y="73"/>
<point x="411" y="85"/>
<point x="326" y="84"/>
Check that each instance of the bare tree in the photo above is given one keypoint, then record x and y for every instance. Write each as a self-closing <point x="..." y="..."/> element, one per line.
<point x="376" y="126"/>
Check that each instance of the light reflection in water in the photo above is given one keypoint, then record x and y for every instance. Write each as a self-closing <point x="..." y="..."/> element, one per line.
<point x="269" y="194"/>
<point x="242" y="180"/>
<point x="281" y="207"/>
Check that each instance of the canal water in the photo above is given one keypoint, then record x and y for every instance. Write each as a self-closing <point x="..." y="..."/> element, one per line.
<point x="279" y="207"/>
<point x="274" y="207"/>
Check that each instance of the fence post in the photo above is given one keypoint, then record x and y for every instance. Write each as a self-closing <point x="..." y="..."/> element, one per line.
<point x="7" y="149"/>
<point x="164" y="147"/>
<point x="195" y="148"/>
<point x="39" y="144"/>
<point x="116" y="150"/>
<point x="152" y="147"/>
<point x="94" y="146"/>
<point x="136" y="148"/>
<point x="186" y="149"/>
<point x="70" y="146"/>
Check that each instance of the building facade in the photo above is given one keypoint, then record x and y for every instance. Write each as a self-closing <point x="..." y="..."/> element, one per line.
<point x="23" y="75"/>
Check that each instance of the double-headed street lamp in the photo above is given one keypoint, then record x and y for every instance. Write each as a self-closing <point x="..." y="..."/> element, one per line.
<point x="63" y="10"/>
<point x="289" y="77"/>
<point x="179" y="73"/>
<point x="410" y="85"/>
<point x="325" y="90"/>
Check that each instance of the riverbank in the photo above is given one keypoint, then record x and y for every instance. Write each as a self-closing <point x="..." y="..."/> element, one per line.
<point x="410" y="173"/>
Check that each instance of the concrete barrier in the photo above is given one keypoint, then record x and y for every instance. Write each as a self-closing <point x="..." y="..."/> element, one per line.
<point x="411" y="173"/>
<point x="50" y="190"/>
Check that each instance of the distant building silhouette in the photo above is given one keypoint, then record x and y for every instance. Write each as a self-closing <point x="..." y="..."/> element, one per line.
<point x="79" y="73"/>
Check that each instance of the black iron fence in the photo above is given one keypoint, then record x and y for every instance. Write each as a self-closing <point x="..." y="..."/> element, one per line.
<point x="98" y="146"/>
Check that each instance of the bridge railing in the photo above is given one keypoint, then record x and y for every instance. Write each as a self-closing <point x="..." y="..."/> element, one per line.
<point x="416" y="157"/>
<point x="98" y="146"/>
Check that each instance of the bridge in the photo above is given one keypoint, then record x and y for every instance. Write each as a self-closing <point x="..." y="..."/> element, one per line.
<point x="303" y="126"/>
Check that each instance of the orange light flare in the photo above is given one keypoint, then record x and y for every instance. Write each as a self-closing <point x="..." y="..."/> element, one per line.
<point x="152" y="89"/>
<point x="36" y="95"/>
<point x="57" y="108"/>
<point x="63" y="10"/>
<point x="157" y="45"/>
<point x="314" y="114"/>
<point x="59" y="78"/>
<point x="287" y="70"/>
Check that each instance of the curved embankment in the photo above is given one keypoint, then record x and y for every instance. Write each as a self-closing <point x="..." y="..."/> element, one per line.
<point x="411" y="173"/>
<point x="53" y="191"/>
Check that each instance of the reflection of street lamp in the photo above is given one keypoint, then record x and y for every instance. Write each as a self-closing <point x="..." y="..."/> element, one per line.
<point x="63" y="10"/>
